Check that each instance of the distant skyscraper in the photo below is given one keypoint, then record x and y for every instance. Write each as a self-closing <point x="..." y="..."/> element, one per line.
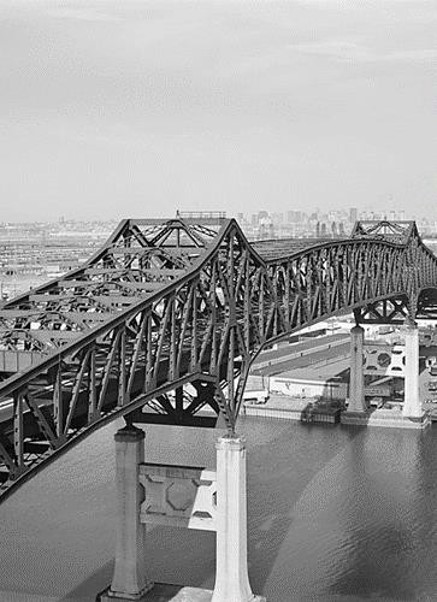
<point x="353" y="215"/>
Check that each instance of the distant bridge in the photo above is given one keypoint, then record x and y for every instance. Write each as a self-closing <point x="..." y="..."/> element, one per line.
<point x="167" y="304"/>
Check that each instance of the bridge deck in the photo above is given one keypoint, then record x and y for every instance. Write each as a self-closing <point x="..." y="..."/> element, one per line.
<point x="277" y="248"/>
<point x="167" y="317"/>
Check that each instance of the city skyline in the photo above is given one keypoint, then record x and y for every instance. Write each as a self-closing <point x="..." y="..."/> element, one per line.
<point x="150" y="107"/>
<point x="218" y="300"/>
<point x="351" y="214"/>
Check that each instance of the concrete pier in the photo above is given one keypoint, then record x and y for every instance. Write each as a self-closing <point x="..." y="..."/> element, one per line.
<point x="232" y="579"/>
<point x="357" y="402"/>
<point x="412" y="415"/>
<point x="357" y="412"/>
<point x="129" y="581"/>
<point x="412" y="405"/>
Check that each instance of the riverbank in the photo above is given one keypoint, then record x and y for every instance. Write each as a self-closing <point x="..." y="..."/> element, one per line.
<point x="293" y="408"/>
<point x="310" y="411"/>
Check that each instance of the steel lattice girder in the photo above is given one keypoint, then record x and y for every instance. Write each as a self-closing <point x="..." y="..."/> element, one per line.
<point x="218" y="303"/>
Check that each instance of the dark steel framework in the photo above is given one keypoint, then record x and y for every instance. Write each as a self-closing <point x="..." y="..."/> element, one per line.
<point x="168" y="316"/>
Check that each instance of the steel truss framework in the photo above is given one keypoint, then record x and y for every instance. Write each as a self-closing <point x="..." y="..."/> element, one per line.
<point x="167" y="317"/>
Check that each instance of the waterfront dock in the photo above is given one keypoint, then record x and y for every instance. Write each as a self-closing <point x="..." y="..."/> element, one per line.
<point x="313" y="412"/>
<point x="292" y="408"/>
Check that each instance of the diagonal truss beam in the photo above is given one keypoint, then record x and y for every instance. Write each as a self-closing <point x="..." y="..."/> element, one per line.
<point x="174" y="305"/>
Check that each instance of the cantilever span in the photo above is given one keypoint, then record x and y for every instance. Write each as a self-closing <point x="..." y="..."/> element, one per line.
<point x="167" y="317"/>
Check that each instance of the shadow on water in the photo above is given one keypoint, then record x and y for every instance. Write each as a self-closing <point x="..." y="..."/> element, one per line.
<point x="159" y="592"/>
<point x="95" y="583"/>
<point x="384" y="511"/>
<point x="175" y="556"/>
<point x="340" y="513"/>
<point x="279" y="474"/>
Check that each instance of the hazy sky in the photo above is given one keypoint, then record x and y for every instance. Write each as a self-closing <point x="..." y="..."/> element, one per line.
<point x="134" y="108"/>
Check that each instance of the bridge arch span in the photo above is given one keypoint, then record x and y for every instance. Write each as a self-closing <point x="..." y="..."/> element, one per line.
<point x="167" y="304"/>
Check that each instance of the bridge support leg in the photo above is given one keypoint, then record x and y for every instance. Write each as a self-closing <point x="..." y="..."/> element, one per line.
<point x="129" y="581"/>
<point x="357" y="402"/>
<point x="232" y="580"/>
<point x="412" y="406"/>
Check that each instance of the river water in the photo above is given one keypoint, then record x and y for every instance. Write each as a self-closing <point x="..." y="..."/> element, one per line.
<point x="334" y="513"/>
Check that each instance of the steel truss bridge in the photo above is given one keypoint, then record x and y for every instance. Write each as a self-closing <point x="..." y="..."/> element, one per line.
<point x="168" y="316"/>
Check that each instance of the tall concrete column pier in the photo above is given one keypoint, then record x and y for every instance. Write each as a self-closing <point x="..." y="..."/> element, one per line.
<point x="357" y="402"/>
<point x="129" y="581"/>
<point x="412" y="406"/>
<point x="232" y="580"/>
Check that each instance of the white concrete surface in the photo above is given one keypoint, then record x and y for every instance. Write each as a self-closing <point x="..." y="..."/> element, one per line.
<point x="357" y="401"/>
<point x="232" y="580"/>
<point x="412" y="405"/>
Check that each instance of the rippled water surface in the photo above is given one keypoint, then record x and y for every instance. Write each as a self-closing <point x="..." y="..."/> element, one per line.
<point x="334" y="514"/>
